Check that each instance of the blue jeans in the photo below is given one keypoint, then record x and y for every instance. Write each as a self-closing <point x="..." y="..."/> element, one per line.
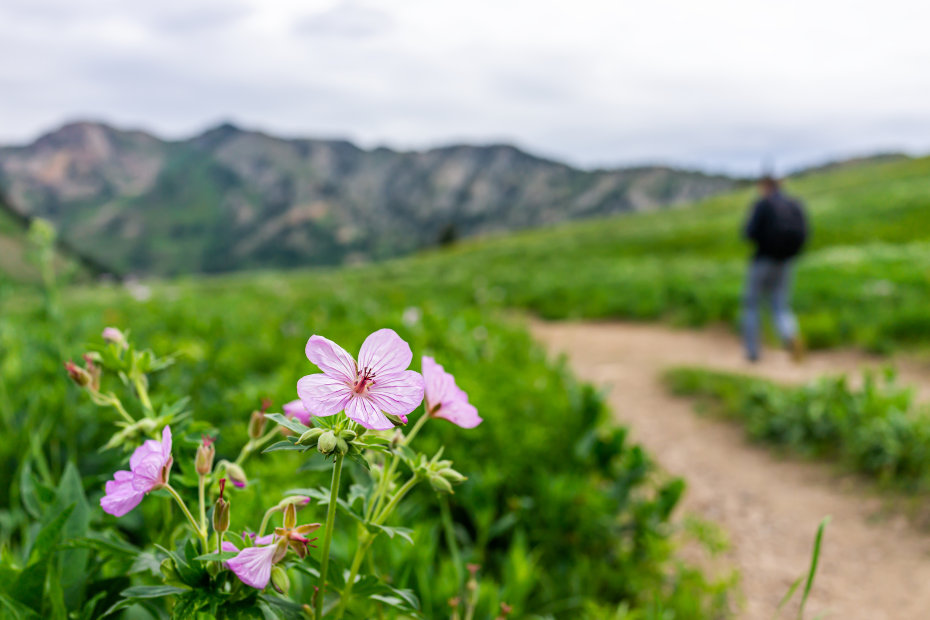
<point x="770" y="278"/>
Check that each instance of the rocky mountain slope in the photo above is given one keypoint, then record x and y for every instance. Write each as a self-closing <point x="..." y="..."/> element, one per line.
<point x="231" y="199"/>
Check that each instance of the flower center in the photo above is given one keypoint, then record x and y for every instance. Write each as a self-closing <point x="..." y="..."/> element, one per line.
<point x="366" y="378"/>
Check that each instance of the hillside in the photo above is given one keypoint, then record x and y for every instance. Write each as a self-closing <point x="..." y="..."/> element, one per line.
<point x="230" y="199"/>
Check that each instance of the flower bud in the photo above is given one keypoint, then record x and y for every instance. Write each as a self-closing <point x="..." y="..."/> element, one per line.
<point x="203" y="463"/>
<point x="297" y="500"/>
<point x="280" y="580"/>
<point x="310" y="437"/>
<point x="256" y="424"/>
<point x="326" y="443"/>
<point x="80" y="376"/>
<point x="290" y="516"/>
<point x="221" y="511"/>
<point x="452" y="476"/>
<point x="341" y="446"/>
<point x="348" y="434"/>
<point x="112" y="334"/>
<point x="236" y="475"/>
<point x="94" y="371"/>
<point x="439" y="484"/>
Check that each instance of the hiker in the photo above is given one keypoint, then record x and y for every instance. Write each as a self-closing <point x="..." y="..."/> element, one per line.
<point x="777" y="226"/>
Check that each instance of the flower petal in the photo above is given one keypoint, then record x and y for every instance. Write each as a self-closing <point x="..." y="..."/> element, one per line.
<point x="384" y="352"/>
<point x="332" y="359"/>
<point x="253" y="566"/>
<point x="296" y="409"/>
<point x="121" y="497"/>
<point x="461" y="413"/>
<point x="322" y="394"/>
<point x="366" y="413"/>
<point x="398" y="393"/>
<point x="435" y="380"/>
<point x="166" y="442"/>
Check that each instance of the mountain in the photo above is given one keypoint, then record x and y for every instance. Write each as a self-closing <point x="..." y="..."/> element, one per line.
<point x="231" y="198"/>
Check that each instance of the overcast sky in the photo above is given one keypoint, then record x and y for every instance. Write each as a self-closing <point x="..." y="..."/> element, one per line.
<point x="717" y="84"/>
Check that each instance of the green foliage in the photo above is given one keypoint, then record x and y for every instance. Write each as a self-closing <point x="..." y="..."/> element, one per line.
<point x="561" y="511"/>
<point x="875" y="429"/>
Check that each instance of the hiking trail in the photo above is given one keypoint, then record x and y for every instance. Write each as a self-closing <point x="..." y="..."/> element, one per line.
<point x="874" y="563"/>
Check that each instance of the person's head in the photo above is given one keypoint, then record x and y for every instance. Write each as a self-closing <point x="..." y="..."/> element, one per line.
<point x="768" y="185"/>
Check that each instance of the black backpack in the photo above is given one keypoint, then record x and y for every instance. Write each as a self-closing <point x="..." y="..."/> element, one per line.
<point x="786" y="232"/>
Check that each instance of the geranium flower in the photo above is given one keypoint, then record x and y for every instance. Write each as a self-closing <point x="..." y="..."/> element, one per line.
<point x="295" y="409"/>
<point x="253" y="564"/>
<point x="150" y="465"/>
<point x="444" y="399"/>
<point x="379" y="382"/>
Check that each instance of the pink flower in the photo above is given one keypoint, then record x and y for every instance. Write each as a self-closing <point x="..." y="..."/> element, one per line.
<point x="379" y="382"/>
<point x="111" y="334"/>
<point x="296" y="409"/>
<point x="253" y="564"/>
<point x="444" y="399"/>
<point x="150" y="465"/>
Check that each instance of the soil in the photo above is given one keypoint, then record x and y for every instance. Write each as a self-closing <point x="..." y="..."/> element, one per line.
<point x="875" y="563"/>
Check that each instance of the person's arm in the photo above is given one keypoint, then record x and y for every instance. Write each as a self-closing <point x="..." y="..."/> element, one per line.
<point x="753" y="228"/>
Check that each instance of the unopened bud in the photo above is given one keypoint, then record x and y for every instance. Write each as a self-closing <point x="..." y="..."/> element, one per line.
<point x="290" y="517"/>
<point x="310" y="437"/>
<point x="112" y="334"/>
<point x="326" y="443"/>
<point x="236" y="475"/>
<point x="348" y="434"/>
<point x="94" y="371"/>
<point x="452" y="476"/>
<point x="440" y="484"/>
<point x="256" y="424"/>
<point x="341" y="446"/>
<point x="221" y="511"/>
<point x="205" y="453"/>
<point x="280" y="580"/>
<point x="80" y="376"/>
<point x="296" y="500"/>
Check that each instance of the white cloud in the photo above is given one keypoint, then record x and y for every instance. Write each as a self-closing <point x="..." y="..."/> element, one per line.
<point x="720" y="83"/>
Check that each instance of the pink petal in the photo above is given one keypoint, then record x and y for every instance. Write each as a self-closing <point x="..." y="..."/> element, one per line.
<point x="295" y="409"/>
<point x="147" y="473"/>
<point x="253" y="566"/>
<point x="397" y="394"/>
<point x="148" y="448"/>
<point x="322" y="394"/>
<point x="121" y="497"/>
<point x="332" y="359"/>
<point x="366" y="413"/>
<point x="435" y="382"/>
<point x="384" y="352"/>
<point x="166" y="442"/>
<point x="228" y="546"/>
<point x="461" y="413"/>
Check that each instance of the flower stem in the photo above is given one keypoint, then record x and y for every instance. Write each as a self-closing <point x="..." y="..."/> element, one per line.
<point x="254" y="444"/>
<point x="416" y="428"/>
<point x="328" y="536"/>
<point x="268" y="513"/>
<point x="187" y="513"/>
<point x="201" y="483"/>
<point x="143" y="392"/>
<point x="360" y="553"/>
<point x="387" y="510"/>
<point x="116" y="404"/>
<point x="390" y="469"/>
<point x="450" y="538"/>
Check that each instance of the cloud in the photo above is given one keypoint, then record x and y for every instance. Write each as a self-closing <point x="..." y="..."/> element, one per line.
<point x="721" y="84"/>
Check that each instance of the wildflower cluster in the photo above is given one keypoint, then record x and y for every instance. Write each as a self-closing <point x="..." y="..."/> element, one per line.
<point x="354" y="410"/>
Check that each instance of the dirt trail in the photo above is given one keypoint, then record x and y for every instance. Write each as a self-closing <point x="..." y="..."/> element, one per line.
<point x="873" y="567"/>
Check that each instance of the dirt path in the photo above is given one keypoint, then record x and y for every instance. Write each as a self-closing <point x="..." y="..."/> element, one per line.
<point x="872" y="567"/>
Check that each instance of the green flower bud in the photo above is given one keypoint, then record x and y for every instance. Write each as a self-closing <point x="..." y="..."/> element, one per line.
<point x="298" y="500"/>
<point x="236" y="475"/>
<point x="256" y="424"/>
<point x="348" y="434"/>
<point x="326" y="443"/>
<point x="280" y="580"/>
<point x="452" y="476"/>
<point x="221" y="511"/>
<point x="440" y="484"/>
<point x="341" y="446"/>
<point x="290" y="516"/>
<point x="309" y="438"/>
<point x="203" y="463"/>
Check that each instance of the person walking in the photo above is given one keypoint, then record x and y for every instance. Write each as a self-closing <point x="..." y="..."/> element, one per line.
<point x="778" y="228"/>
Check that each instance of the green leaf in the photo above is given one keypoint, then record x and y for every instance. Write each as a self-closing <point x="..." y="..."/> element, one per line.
<point x="403" y="532"/>
<point x="49" y="535"/>
<point x="152" y="591"/>
<point x="289" y="423"/>
<point x="30" y="584"/>
<point x="102" y="542"/>
<point x="284" y="445"/>
<point x="15" y="610"/>
<point x="217" y="557"/>
<point x="27" y="491"/>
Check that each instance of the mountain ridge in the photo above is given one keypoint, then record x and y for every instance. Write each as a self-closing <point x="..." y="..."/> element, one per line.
<point x="232" y="198"/>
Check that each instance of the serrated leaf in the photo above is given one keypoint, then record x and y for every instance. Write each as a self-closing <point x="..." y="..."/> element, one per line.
<point x="217" y="557"/>
<point x="152" y="591"/>
<point x="284" y="445"/>
<point x="289" y="423"/>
